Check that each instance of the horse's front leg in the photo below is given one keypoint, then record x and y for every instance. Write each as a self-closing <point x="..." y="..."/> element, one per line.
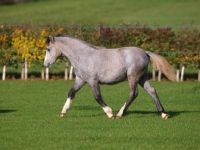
<point x="77" y="85"/>
<point x="97" y="95"/>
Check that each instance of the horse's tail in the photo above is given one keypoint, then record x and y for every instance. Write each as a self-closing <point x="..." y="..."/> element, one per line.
<point x="160" y="63"/>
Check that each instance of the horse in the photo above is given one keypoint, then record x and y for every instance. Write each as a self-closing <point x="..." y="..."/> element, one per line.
<point x="97" y="65"/>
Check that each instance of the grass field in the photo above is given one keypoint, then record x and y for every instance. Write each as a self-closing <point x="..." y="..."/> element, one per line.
<point x="112" y="12"/>
<point x="29" y="110"/>
<point x="29" y="116"/>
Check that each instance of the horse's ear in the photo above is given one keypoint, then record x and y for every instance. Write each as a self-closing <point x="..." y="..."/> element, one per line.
<point x="51" y="39"/>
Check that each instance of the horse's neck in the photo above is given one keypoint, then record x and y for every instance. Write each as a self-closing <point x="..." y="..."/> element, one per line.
<point x="75" y="51"/>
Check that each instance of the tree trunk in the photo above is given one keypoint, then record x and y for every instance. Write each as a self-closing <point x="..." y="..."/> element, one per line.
<point x="199" y="75"/>
<point x="4" y="73"/>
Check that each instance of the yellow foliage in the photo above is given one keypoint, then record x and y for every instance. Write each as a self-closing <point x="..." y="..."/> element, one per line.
<point x="60" y="30"/>
<point x="27" y="45"/>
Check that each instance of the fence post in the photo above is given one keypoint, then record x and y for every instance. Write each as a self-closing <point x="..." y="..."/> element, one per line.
<point x="4" y="73"/>
<point x="154" y="74"/>
<point x="22" y="73"/>
<point x="182" y="73"/>
<point x="177" y="72"/>
<point x="198" y="70"/>
<point x="66" y="71"/>
<point x="42" y="73"/>
<point x="177" y="75"/>
<point x="47" y="73"/>
<point x="199" y="75"/>
<point x="26" y="69"/>
<point x="71" y="73"/>
<point x="102" y="35"/>
<point x="159" y="76"/>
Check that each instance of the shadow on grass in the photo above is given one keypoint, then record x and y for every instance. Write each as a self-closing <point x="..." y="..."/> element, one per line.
<point x="171" y="114"/>
<point x="85" y="107"/>
<point x="7" y="111"/>
<point x="136" y="113"/>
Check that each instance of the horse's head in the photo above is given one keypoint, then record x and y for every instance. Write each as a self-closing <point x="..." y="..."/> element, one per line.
<point x="53" y="51"/>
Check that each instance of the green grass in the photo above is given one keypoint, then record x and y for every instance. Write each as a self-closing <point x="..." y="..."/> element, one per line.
<point x="112" y="12"/>
<point x="29" y="116"/>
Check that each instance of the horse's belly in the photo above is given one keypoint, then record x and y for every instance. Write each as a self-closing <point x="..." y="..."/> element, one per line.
<point x="112" y="77"/>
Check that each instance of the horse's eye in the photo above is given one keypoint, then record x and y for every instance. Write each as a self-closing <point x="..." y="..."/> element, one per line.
<point x="48" y="49"/>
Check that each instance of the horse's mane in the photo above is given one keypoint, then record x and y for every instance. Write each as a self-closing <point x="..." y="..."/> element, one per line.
<point x="72" y="37"/>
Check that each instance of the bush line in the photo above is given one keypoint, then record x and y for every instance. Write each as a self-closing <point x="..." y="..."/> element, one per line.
<point x="181" y="46"/>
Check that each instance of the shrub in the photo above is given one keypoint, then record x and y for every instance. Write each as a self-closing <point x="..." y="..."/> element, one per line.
<point x="180" y="46"/>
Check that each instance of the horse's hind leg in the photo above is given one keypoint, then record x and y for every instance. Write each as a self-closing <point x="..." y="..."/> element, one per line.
<point x="152" y="92"/>
<point x="71" y="94"/>
<point x="133" y="94"/>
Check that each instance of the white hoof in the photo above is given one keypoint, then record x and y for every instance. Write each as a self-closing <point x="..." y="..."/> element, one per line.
<point x="108" y="112"/>
<point x="118" y="117"/>
<point x="62" y="115"/>
<point x="164" y="116"/>
<point x="120" y="113"/>
<point x="112" y="117"/>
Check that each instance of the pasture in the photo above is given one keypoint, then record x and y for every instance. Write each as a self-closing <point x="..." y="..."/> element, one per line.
<point x="112" y="12"/>
<point x="29" y="116"/>
<point x="29" y="110"/>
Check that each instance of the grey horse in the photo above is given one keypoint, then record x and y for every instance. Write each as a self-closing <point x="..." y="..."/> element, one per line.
<point x="95" y="65"/>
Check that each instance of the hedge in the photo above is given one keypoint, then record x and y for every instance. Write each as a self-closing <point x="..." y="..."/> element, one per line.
<point x="181" y="45"/>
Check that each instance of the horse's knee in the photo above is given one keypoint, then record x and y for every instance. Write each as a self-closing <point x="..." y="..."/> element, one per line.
<point x="151" y="90"/>
<point x="147" y="87"/>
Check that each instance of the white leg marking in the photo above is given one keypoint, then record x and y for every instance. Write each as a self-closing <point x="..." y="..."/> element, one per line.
<point x="66" y="106"/>
<point x="164" y="116"/>
<point x="120" y="113"/>
<point x="45" y="58"/>
<point x="108" y="111"/>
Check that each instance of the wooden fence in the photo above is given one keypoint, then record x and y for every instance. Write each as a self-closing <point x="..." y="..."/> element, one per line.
<point x="68" y="73"/>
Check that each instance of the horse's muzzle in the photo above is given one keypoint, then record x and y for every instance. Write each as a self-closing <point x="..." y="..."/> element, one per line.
<point x="47" y="64"/>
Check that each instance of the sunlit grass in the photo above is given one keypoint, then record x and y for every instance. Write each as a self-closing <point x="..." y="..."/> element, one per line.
<point x="29" y="116"/>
